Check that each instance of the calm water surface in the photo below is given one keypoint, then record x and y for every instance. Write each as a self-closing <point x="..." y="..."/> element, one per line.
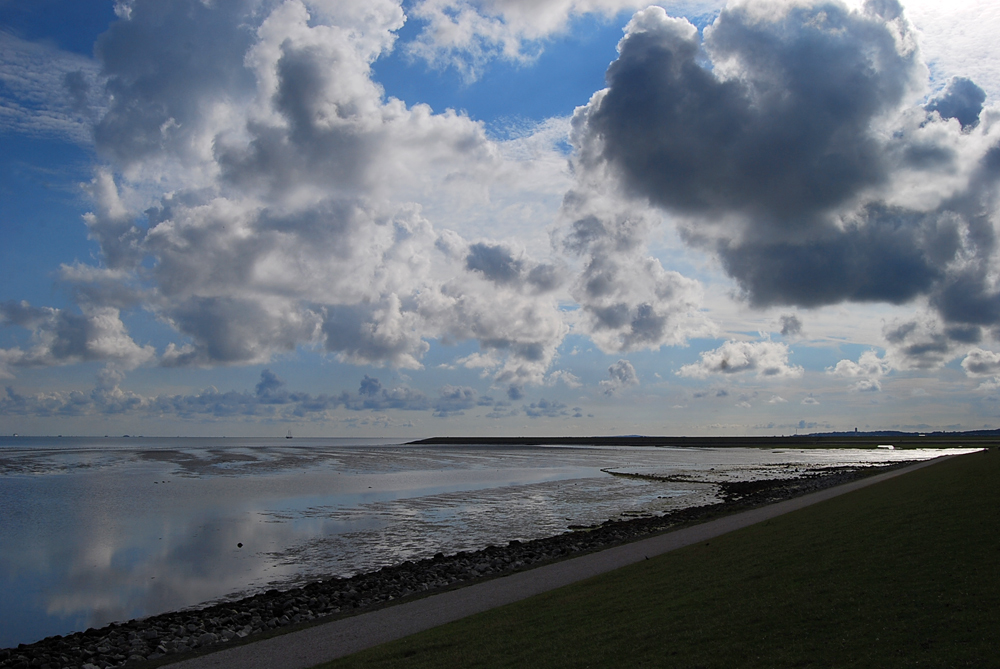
<point x="100" y="530"/>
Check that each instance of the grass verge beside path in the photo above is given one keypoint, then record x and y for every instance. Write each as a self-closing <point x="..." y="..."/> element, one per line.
<point x="903" y="573"/>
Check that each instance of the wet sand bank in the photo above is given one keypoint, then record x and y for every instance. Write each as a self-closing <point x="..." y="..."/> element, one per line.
<point x="169" y="636"/>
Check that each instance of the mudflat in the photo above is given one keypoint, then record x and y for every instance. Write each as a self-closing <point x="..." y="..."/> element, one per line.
<point x="902" y="573"/>
<point x="302" y="649"/>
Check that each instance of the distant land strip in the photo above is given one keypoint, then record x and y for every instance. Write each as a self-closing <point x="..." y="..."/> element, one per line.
<point x="839" y="440"/>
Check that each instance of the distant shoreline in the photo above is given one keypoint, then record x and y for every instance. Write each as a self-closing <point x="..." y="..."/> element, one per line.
<point x="861" y="440"/>
<point x="824" y="440"/>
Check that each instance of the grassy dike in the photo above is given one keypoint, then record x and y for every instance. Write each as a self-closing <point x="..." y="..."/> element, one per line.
<point x="903" y="573"/>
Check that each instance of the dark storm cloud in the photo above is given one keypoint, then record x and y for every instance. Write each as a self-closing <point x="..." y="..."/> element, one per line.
<point x="497" y="263"/>
<point x="369" y="387"/>
<point x="962" y="100"/>
<point x="964" y="334"/>
<point x="785" y="141"/>
<point x="768" y="137"/>
<point x="494" y="262"/>
<point x="921" y="344"/>
<point x="889" y="255"/>
<point x="968" y="298"/>
<point x="790" y="325"/>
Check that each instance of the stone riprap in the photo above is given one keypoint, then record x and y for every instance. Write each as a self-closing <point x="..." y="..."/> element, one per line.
<point x="166" y="636"/>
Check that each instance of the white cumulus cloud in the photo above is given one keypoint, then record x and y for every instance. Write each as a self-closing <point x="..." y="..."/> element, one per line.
<point x="869" y="366"/>
<point x="258" y="193"/>
<point x="620" y="375"/>
<point x="767" y="359"/>
<point x="261" y="194"/>
<point x="980" y="362"/>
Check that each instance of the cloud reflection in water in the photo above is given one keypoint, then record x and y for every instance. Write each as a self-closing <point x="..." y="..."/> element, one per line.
<point x="94" y="533"/>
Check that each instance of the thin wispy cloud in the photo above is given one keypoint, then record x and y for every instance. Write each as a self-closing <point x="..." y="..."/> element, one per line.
<point x="47" y="92"/>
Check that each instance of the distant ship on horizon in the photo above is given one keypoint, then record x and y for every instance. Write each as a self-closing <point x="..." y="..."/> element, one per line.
<point x="289" y="435"/>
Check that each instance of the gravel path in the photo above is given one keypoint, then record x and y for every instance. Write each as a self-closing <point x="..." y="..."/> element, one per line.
<point x="311" y="646"/>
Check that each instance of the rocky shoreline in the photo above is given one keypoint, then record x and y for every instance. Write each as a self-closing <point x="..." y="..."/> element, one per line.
<point x="163" y="638"/>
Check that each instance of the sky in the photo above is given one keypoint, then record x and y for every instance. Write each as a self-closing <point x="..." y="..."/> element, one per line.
<point x="406" y="218"/>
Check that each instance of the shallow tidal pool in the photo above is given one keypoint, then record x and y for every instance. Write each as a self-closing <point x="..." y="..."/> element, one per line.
<point x="100" y="530"/>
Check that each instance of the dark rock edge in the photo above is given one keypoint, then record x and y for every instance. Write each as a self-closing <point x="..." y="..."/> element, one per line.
<point x="169" y="637"/>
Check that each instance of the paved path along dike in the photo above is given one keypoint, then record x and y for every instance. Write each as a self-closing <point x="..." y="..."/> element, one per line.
<point x="327" y="641"/>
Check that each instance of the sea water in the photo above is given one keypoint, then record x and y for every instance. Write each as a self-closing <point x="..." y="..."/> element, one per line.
<point x="100" y="530"/>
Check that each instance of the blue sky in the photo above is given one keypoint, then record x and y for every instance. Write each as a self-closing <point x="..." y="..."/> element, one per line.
<point x="493" y="217"/>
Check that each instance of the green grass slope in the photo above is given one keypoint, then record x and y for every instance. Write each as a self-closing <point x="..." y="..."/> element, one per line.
<point x="904" y="573"/>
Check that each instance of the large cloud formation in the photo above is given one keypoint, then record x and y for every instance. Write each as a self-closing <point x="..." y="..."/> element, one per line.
<point x="259" y="193"/>
<point x="60" y="338"/>
<point x="793" y="141"/>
